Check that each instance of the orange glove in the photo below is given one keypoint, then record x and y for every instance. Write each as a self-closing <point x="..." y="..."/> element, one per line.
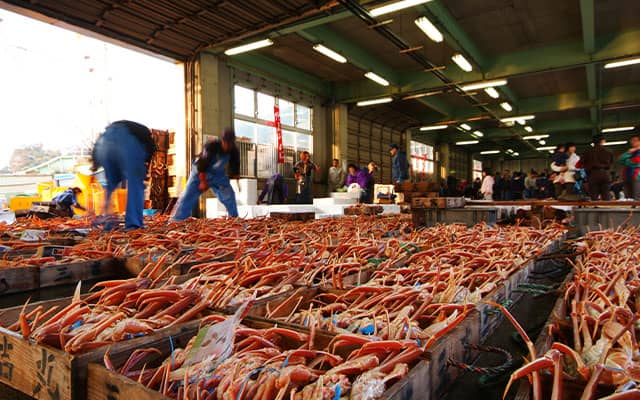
<point x="203" y="182"/>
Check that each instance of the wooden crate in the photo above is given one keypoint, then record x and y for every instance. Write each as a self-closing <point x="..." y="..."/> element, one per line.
<point x="56" y="275"/>
<point x="19" y="279"/>
<point x="108" y="385"/>
<point x="45" y="372"/>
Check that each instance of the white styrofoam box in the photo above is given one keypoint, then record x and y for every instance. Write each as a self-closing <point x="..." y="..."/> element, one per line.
<point x="345" y="195"/>
<point x="333" y="209"/>
<point x="332" y="201"/>
<point x="291" y="208"/>
<point x="390" y="209"/>
<point x="248" y="193"/>
<point x="7" y="217"/>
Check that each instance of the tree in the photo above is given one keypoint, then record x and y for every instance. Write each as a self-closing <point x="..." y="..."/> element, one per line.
<point x="29" y="156"/>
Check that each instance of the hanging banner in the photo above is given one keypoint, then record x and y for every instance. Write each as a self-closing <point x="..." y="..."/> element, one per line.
<point x="276" y="112"/>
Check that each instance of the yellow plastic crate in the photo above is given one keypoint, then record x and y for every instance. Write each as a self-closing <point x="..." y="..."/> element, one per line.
<point x="22" y="202"/>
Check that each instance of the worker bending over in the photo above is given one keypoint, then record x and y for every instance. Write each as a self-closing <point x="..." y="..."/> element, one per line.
<point x="208" y="171"/>
<point x="124" y="150"/>
<point x="65" y="200"/>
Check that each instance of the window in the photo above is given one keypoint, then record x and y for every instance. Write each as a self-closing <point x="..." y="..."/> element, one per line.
<point x="244" y="101"/>
<point x="422" y="158"/>
<point x="254" y="121"/>
<point x="477" y="169"/>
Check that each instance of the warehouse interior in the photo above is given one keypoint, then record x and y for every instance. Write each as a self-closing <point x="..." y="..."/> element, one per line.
<point x="418" y="295"/>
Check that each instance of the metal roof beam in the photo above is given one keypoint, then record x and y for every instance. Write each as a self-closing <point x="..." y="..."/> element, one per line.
<point x="588" y="25"/>
<point x="278" y="72"/>
<point x="454" y="34"/>
<point x="522" y="63"/>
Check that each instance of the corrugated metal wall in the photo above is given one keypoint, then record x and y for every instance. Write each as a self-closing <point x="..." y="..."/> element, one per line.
<point x="459" y="161"/>
<point x="369" y="141"/>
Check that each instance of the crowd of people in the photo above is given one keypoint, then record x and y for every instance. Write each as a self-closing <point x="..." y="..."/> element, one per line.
<point x="569" y="177"/>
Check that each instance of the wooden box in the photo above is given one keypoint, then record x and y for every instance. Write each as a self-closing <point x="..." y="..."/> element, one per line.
<point x="56" y="275"/>
<point x="19" y="279"/>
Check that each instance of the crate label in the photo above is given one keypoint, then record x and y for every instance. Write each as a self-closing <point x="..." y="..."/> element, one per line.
<point x="44" y="370"/>
<point x="6" y="366"/>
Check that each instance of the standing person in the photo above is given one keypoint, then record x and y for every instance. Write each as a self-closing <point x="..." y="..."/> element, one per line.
<point x="569" y="175"/>
<point x="275" y="191"/>
<point x="208" y="171"/>
<point x="399" y="164"/>
<point x="475" y="186"/>
<point x="559" y="166"/>
<point x="336" y="176"/>
<point x="530" y="187"/>
<point x="303" y="173"/>
<point x="597" y="161"/>
<point x="506" y="185"/>
<point x="630" y="160"/>
<point x="487" y="185"/>
<point x="65" y="200"/>
<point x="517" y="185"/>
<point x="372" y="167"/>
<point x="124" y="150"/>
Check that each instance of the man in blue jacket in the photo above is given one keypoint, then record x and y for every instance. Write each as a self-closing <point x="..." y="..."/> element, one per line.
<point x="65" y="200"/>
<point x="124" y="150"/>
<point x="399" y="164"/>
<point x="208" y="171"/>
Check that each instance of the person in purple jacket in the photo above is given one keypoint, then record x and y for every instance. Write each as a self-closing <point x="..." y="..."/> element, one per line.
<point x="359" y="176"/>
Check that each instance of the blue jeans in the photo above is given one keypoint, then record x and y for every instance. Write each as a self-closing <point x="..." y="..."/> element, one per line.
<point x="123" y="157"/>
<point x="217" y="181"/>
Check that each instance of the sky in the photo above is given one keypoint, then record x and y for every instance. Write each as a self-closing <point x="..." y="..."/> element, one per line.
<point x="61" y="88"/>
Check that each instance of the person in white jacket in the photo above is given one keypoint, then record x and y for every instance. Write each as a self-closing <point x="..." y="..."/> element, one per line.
<point x="487" y="185"/>
<point x="565" y="180"/>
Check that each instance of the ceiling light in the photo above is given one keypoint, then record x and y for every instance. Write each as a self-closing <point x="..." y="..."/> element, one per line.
<point x="429" y="29"/>
<point x="248" y="47"/>
<point x="433" y="128"/>
<point x="467" y="142"/>
<point x="486" y="152"/>
<point x="619" y="142"/>
<point x="528" y="129"/>
<point x="484" y="85"/>
<point x="506" y="106"/>
<point x="381" y="100"/>
<point x="462" y="62"/>
<point x="622" y="63"/>
<point x="518" y="118"/>
<point x="516" y="154"/>
<point x="465" y="127"/>
<point x="535" y="137"/>
<point x="377" y="79"/>
<point x="545" y="148"/>
<point x="492" y="92"/>
<point x="330" y="53"/>
<point x="619" y="129"/>
<point x="509" y="151"/>
<point x="478" y="133"/>
<point x="396" y="6"/>
<point x="542" y="142"/>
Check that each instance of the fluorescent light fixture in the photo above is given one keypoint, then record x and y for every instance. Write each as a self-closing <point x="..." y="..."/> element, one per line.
<point x="506" y="106"/>
<point x="478" y="133"/>
<point x="467" y="142"/>
<point x="429" y="29"/>
<point x="487" y="152"/>
<point x="484" y="85"/>
<point x="618" y="129"/>
<point x="492" y="93"/>
<point x="395" y="6"/>
<point x="545" y="148"/>
<point x="528" y="129"/>
<point x="518" y="118"/>
<point x="249" y="47"/>
<point x="535" y="137"/>
<point x="622" y="63"/>
<point x="381" y="100"/>
<point x="462" y="62"/>
<point x="330" y="53"/>
<point x="542" y="142"/>
<point x="377" y="79"/>
<point x="433" y="128"/>
<point x="465" y="127"/>
<point x="619" y="142"/>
